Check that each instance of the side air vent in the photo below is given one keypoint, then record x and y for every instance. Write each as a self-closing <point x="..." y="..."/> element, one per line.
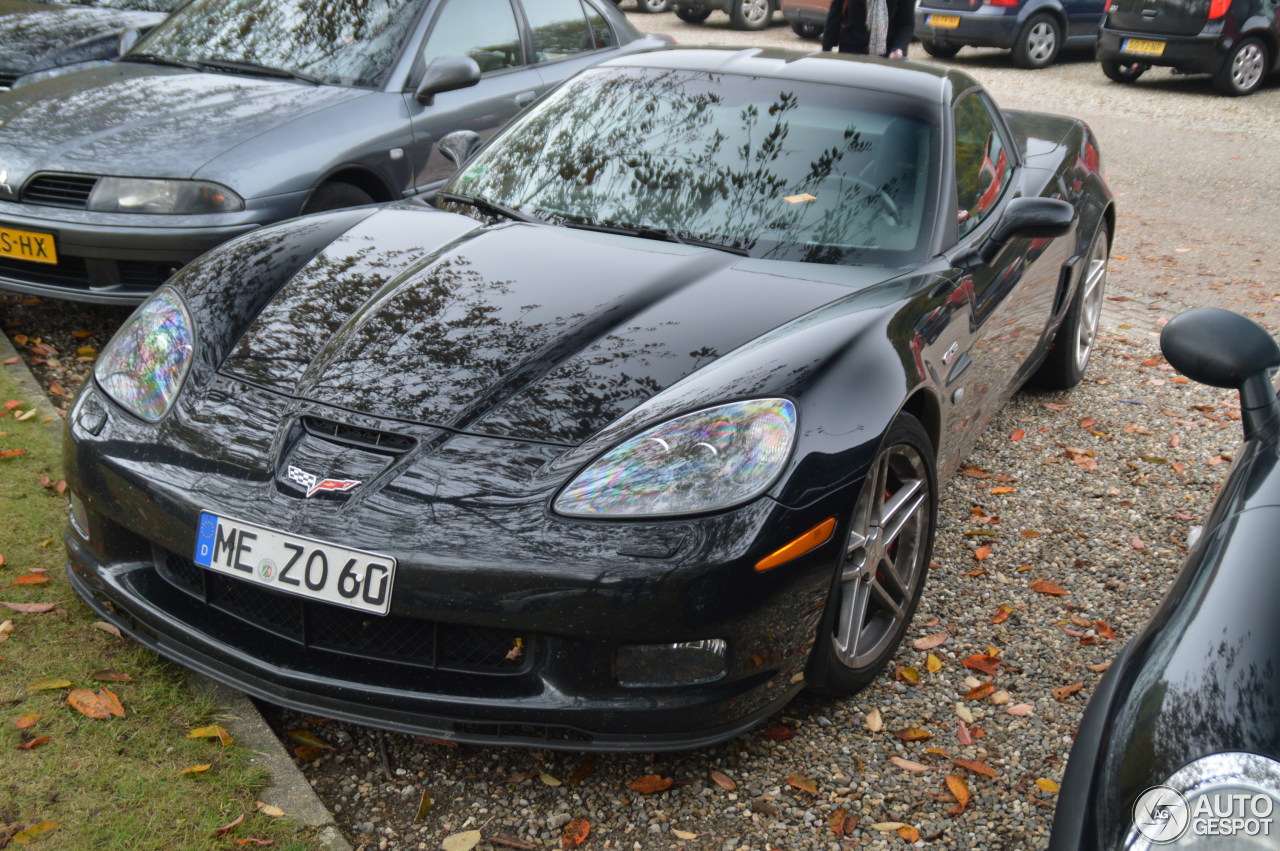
<point x="385" y="442"/>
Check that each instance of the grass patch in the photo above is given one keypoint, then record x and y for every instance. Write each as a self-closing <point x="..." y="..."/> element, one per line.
<point x="113" y="783"/>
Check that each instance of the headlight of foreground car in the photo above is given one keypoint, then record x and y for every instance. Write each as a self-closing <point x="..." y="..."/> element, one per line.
<point x="144" y="365"/>
<point x="145" y="195"/>
<point x="1224" y="800"/>
<point x="704" y="461"/>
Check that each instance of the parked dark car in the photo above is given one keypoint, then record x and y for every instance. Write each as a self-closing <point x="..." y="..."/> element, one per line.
<point x="237" y="113"/>
<point x="743" y="14"/>
<point x="41" y="38"/>
<point x="632" y="439"/>
<point x="808" y="18"/>
<point x="1180" y="744"/>
<point x="1236" y="41"/>
<point x="1035" y="30"/>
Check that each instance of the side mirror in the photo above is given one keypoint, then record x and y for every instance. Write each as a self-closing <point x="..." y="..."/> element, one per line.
<point x="1028" y="218"/>
<point x="128" y="39"/>
<point x="1224" y="349"/>
<point x="459" y="145"/>
<point x="446" y="74"/>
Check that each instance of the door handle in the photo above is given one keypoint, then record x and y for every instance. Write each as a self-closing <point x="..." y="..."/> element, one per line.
<point x="525" y="98"/>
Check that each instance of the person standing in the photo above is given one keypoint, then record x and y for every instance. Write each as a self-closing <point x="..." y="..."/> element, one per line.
<point x="870" y="27"/>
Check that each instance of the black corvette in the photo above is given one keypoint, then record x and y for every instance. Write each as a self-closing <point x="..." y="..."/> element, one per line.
<point x="632" y="439"/>
<point x="1180" y="745"/>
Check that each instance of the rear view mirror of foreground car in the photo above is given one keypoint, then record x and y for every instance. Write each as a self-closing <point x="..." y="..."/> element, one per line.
<point x="447" y="74"/>
<point x="1224" y="349"/>
<point x="1028" y="218"/>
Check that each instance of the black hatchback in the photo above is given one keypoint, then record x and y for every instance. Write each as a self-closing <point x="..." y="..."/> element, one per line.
<point x="1237" y="41"/>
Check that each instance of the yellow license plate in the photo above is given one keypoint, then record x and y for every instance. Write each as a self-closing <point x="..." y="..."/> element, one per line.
<point x="943" y="22"/>
<point x="1141" y="45"/>
<point x="27" y="245"/>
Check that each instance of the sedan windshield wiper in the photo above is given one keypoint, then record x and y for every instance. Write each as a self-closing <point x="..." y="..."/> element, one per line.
<point x="493" y="208"/>
<point x="657" y="234"/>
<point x="156" y="59"/>
<point x="237" y="66"/>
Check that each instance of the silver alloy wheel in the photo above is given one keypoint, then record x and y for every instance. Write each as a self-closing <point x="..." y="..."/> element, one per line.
<point x="654" y="5"/>
<point x="1247" y="66"/>
<point x="884" y="561"/>
<point x="1042" y="41"/>
<point x="755" y="11"/>
<point x="1095" y="285"/>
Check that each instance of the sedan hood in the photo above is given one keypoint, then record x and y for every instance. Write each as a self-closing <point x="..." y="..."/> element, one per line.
<point x="516" y="330"/>
<point x="32" y="35"/>
<point x="137" y="120"/>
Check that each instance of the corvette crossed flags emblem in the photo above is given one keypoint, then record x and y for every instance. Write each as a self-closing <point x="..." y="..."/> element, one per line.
<point x="313" y="484"/>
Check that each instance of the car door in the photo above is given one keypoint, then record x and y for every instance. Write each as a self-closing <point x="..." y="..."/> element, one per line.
<point x="489" y="32"/>
<point x="1013" y="294"/>
<point x="1083" y="17"/>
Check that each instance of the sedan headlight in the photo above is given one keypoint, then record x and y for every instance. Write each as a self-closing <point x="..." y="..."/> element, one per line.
<point x="144" y="365"/>
<point x="704" y="461"/>
<point x="145" y="195"/>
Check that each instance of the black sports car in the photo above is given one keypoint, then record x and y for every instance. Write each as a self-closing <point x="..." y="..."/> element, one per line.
<point x="1180" y="745"/>
<point x="632" y="439"/>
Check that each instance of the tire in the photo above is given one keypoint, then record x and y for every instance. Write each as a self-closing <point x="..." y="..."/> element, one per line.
<point x="1244" y="68"/>
<point x="881" y="576"/>
<point x="335" y="196"/>
<point x="1123" y="72"/>
<point x="1068" y="357"/>
<point x="941" y="51"/>
<point x="653" y="6"/>
<point x="692" y="16"/>
<point x="1038" y="42"/>
<point x="806" y="30"/>
<point x="751" y="14"/>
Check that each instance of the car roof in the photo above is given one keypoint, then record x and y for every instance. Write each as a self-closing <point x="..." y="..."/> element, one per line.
<point x="926" y="82"/>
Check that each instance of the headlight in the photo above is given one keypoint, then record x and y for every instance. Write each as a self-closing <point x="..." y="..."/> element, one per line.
<point x="144" y="195"/>
<point x="1224" y="800"/>
<point x="704" y="461"/>
<point x="144" y="365"/>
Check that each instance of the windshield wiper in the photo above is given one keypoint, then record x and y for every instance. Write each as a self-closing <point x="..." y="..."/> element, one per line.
<point x="657" y="234"/>
<point x="493" y="208"/>
<point x="156" y="59"/>
<point x="236" y="66"/>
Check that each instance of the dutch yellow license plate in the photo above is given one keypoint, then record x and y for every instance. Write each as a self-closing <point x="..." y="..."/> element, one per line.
<point x="27" y="245"/>
<point x="1143" y="46"/>
<point x="943" y="22"/>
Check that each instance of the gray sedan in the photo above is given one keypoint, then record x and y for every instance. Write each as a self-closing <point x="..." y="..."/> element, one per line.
<point x="237" y="113"/>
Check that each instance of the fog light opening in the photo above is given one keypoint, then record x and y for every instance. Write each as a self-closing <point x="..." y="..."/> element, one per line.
<point x="79" y="517"/>
<point x="686" y="663"/>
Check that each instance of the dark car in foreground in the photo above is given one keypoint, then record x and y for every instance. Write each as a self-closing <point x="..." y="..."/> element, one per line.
<point x="1036" y="31"/>
<point x="1235" y="41"/>
<point x="1180" y="745"/>
<point x="237" y="113"/>
<point x="40" y="38"/>
<point x="632" y="439"/>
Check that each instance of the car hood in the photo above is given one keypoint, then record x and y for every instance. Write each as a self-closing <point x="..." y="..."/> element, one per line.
<point x="33" y="34"/>
<point x="139" y="120"/>
<point x="515" y="330"/>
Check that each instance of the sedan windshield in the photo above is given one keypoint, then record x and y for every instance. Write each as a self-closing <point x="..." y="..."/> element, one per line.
<point x="771" y="168"/>
<point x="346" y="42"/>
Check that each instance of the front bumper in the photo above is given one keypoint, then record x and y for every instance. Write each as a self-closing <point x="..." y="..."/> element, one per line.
<point x="477" y="572"/>
<point x="989" y="26"/>
<point x="1197" y="54"/>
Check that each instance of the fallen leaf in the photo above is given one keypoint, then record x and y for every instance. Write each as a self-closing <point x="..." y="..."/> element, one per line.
<point x="964" y="713"/>
<point x="249" y="840"/>
<point x="1063" y="692"/>
<point x="1137" y="543"/>
<point x="30" y="608"/>
<point x="106" y="627"/>
<point x="723" y="780"/>
<point x="910" y="674"/>
<point x="424" y="806"/>
<point x="10" y="361"/>
<point x="887" y="826"/>
<point x="1098" y="669"/>
<point x="89" y="704"/>
<point x="982" y="553"/>
<point x="1105" y="631"/>
<point x="977" y="767"/>
<point x="837" y="821"/>
<point x="82" y="335"/>
<point x="464" y="841"/>
<point x="34" y="743"/>
<point x="1021" y="709"/>
<point x="107" y="675"/>
<point x="549" y="780"/>
<point x="49" y="683"/>
<point x="685" y="834"/>
<point x="1047" y="785"/>
<point x="979" y="662"/>
<point x="932" y="664"/>
<point x="28" y="720"/>
<point x="511" y="842"/>
<point x="308" y="739"/>
<point x="956" y="786"/>
<point x="1002" y="613"/>
<point x="909" y="833"/>
<point x="112" y="701"/>
<point x="228" y="827"/>
<point x="1044" y="587"/>
<point x="307" y="753"/>
<point x="930" y="642"/>
<point x="1001" y="490"/>
<point x="31" y="579"/>
<point x="975" y="473"/>
<point x="1088" y="422"/>
<point x="913" y="734"/>
<point x="35" y="831"/>
<point x="1018" y="434"/>
<point x="213" y="731"/>
<point x="584" y="770"/>
<point x="874" y="722"/>
<point x="196" y="769"/>
<point x="575" y="833"/>
<point x="804" y="784"/>
<point x="962" y="734"/>
<point x="908" y="765"/>
<point x="779" y="732"/>
<point x="650" y="784"/>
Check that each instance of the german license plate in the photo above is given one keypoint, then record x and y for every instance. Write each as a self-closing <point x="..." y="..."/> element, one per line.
<point x="943" y="22"/>
<point x="317" y="570"/>
<point x="1143" y="46"/>
<point x="27" y="245"/>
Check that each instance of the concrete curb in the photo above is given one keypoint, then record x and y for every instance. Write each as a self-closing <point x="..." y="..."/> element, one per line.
<point x="288" y="789"/>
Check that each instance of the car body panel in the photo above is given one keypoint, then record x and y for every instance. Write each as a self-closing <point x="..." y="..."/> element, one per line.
<point x="983" y="25"/>
<point x="1190" y="41"/>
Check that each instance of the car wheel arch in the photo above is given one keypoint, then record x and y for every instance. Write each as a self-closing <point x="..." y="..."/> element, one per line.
<point x="924" y="405"/>
<point x="361" y="178"/>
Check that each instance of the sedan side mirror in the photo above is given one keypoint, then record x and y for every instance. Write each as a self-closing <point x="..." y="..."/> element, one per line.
<point x="446" y="74"/>
<point x="128" y="39"/>
<point x="459" y="145"/>
<point x="1224" y="349"/>
<point x="1028" y="218"/>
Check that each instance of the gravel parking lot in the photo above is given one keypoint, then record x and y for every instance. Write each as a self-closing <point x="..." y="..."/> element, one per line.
<point x="1092" y="492"/>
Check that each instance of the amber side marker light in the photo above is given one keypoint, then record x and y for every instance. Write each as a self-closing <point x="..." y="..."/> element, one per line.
<point x="814" y="538"/>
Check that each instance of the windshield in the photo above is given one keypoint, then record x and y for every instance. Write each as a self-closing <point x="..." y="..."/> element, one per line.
<point x="346" y="42"/>
<point x="129" y="5"/>
<point x="779" y="169"/>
